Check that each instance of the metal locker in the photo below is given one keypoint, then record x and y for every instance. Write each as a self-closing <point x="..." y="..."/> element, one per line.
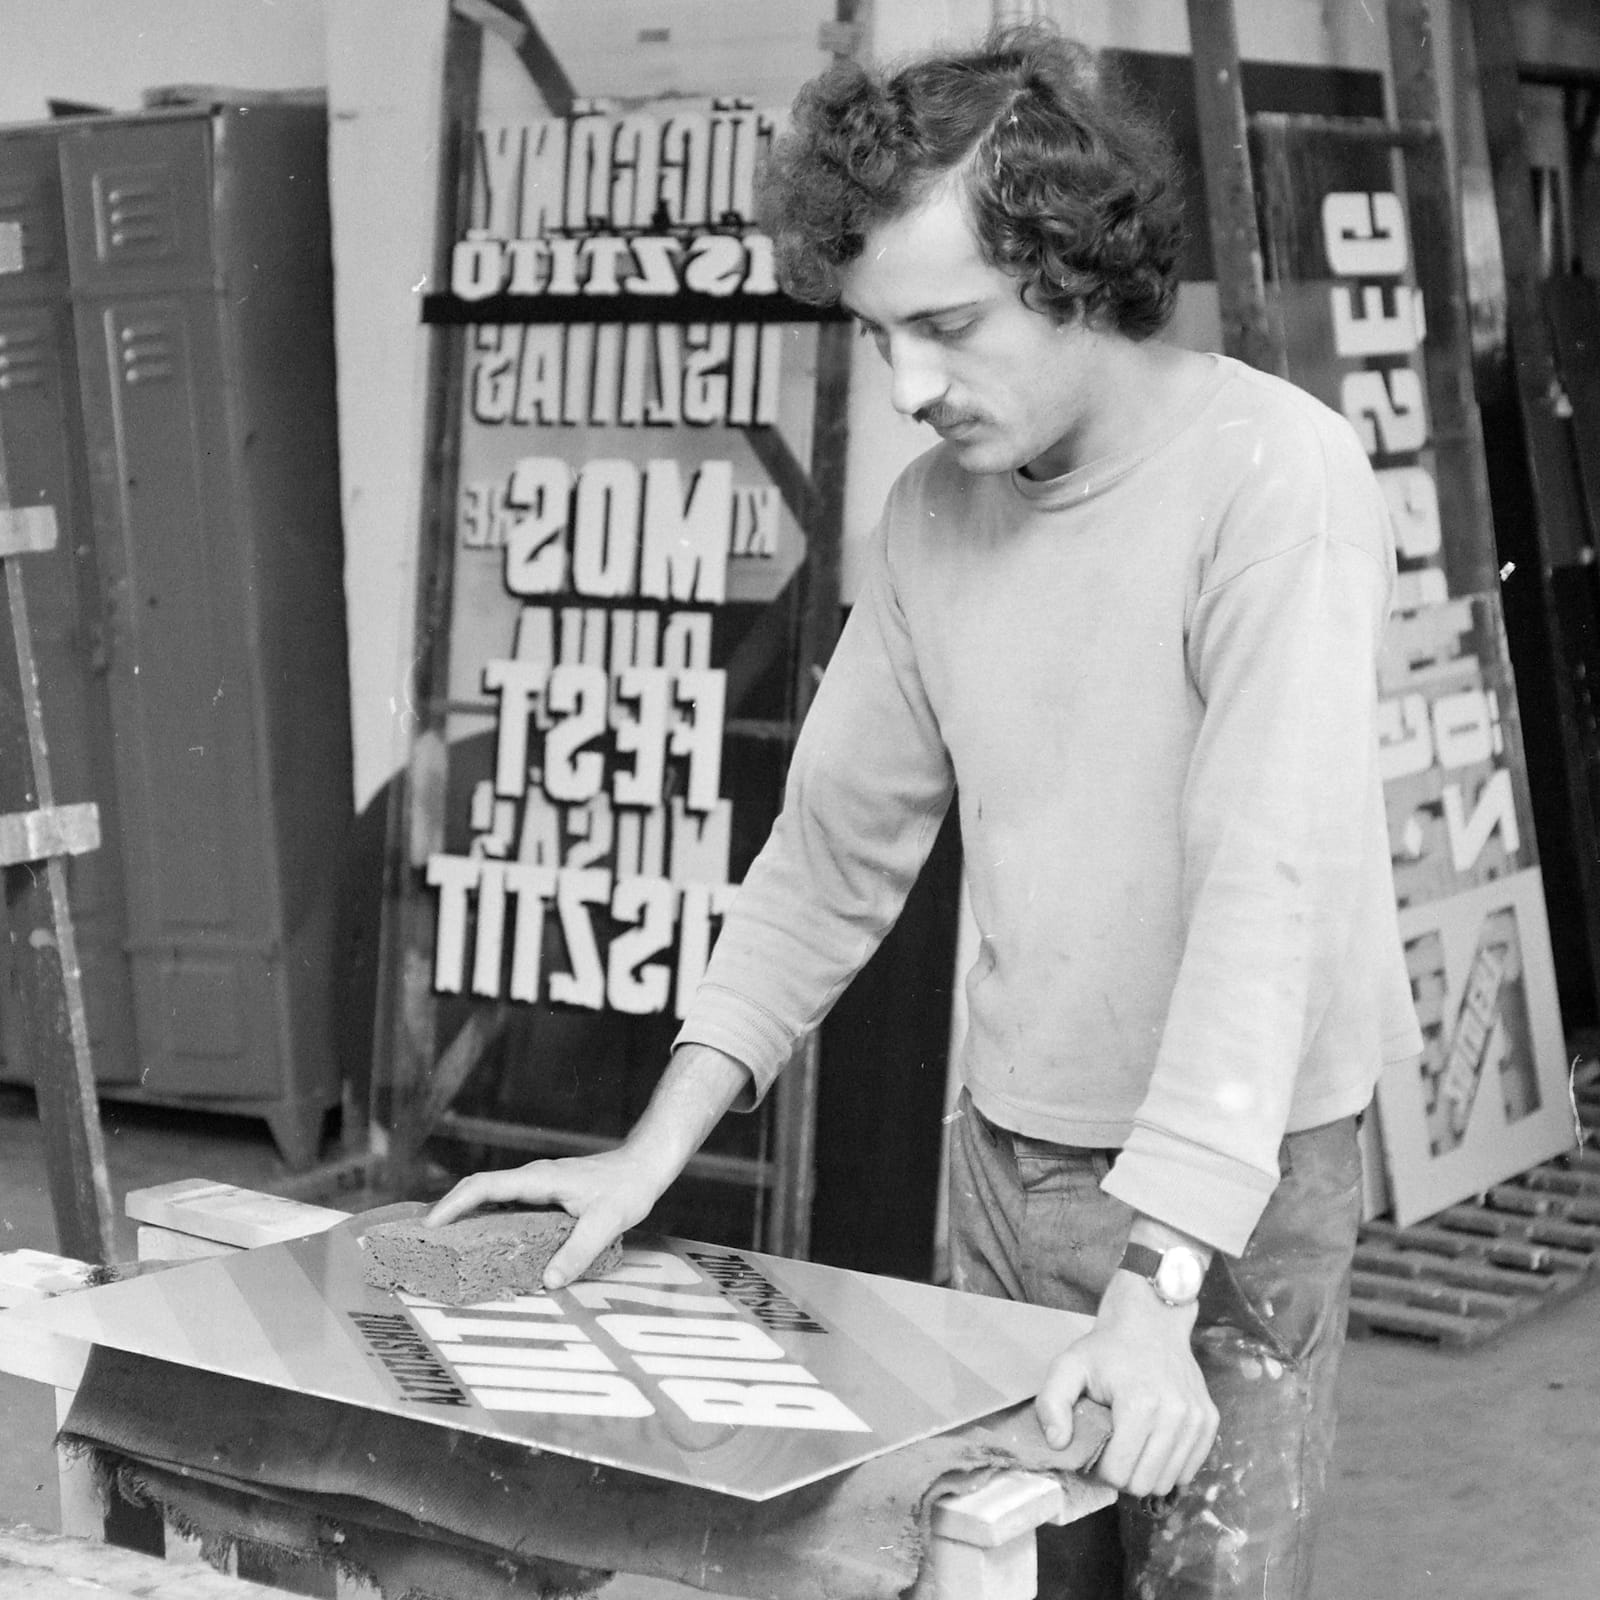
<point x="201" y="290"/>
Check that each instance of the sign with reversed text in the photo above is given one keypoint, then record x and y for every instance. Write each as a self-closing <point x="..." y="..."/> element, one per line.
<point x="617" y="537"/>
<point x="1487" y="1099"/>
<point x="729" y="1370"/>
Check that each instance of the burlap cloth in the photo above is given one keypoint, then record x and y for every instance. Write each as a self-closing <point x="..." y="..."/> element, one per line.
<point x="432" y="1513"/>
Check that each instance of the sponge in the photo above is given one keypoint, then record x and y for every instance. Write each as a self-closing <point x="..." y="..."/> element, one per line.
<point x="482" y="1257"/>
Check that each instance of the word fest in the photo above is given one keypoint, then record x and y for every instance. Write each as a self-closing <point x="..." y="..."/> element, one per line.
<point x="608" y="740"/>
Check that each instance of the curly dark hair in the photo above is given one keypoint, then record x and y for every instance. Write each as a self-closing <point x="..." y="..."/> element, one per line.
<point x="1072" y="188"/>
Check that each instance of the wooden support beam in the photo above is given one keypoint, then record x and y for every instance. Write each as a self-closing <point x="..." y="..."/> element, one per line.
<point x="405" y="1038"/>
<point x="1555" y="524"/>
<point x="1560" y="519"/>
<point x="414" y="1119"/>
<point x="513" y="24"/>
<point x="1460" y="473"/>
<point x="1230" y="188"/>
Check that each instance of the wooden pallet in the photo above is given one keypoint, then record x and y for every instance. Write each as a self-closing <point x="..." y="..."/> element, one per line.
<point x="1463" y="1276"/>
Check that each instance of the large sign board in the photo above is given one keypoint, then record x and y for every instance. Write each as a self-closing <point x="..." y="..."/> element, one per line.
<point x="1488" y="1097"/>
<point x="610" y="641"/>
<point x="616" y="535"/>
<point x="734" y="1371"/>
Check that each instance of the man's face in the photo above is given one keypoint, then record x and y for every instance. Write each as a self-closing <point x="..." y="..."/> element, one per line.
<point x="1006" y="385"/>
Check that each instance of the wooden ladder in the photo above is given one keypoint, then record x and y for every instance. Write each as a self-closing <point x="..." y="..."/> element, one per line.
<point x="42" y="1009"/>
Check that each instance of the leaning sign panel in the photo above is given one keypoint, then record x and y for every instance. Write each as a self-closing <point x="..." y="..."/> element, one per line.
<point x="1488" y="1097"/>
<point x="743" y="1373"/>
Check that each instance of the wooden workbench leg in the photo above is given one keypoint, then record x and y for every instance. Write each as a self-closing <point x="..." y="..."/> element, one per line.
<point x="1006" y="1572"/>
<point x="83" y="1513"/>
<point x="983" y="1546"/>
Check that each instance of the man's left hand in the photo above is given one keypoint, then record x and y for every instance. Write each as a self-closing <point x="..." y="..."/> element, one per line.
<point x="1136" y="1359"/>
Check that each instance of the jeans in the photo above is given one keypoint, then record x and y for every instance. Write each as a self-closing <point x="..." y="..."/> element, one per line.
<point x="1029" y="1221"/>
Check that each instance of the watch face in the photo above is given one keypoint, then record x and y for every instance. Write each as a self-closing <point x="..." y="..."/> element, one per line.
<point x="1179" y="1276"/>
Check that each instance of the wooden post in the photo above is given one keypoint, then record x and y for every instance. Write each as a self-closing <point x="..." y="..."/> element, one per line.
<point x="1555" y="526"/>
<point x="50" y="1030"/>
<point x="1462" y="478"/>
<point x="1230" y="188"/>
<point x="405" y="1036"/>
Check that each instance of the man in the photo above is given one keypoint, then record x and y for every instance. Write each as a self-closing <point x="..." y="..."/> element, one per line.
<point x="1129" y="608"/>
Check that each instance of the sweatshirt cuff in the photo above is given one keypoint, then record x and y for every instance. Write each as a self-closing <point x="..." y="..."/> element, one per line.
<point x="753" y="1037"/>
<point x="1215" y="1198"/>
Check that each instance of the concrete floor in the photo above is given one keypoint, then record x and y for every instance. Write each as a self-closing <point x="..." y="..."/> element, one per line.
<point x="1469" y="1476"/>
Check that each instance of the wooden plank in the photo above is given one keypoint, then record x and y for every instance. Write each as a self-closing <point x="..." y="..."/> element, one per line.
<point x="1469" y="1273"/>
<point x="1435" y="1295"/>
<point x="164" y="1244"/>
<point x="1460" y="472"/>
<point x="1571" y="1246"/>
<point x="37" y="1274"/>
<point x="49" y="831"/>
<point x="1488" y="1247"/>
<point x="1581" y="1181"/>
<point x="1230" y="188"/>
<point x="227" y="1214"/>
<point x="82" y="1506"/>
<point x="1419" y="1322"/>
<point x="998" y="1511"/>
<point x="27" y="530"/>
<point x="1458" y="1280"/>
<point x="1550" y="1203"/>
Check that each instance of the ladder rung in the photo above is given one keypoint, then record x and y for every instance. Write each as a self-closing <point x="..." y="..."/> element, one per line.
<point x="52" y="831"/>
<point x="1374" y="129"/>
<point x="27" y="530"/>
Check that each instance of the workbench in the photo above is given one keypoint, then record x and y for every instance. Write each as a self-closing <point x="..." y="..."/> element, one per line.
<point x="970" y="1534"/>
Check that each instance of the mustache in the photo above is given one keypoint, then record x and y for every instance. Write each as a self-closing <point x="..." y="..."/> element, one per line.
<point x="941" y="416"/>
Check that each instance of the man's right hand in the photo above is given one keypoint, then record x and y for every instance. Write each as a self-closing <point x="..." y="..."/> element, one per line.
<point x="607" y="1194"/>
<point x="613" y="1191"/>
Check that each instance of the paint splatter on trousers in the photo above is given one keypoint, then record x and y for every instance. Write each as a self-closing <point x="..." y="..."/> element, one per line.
<point x="1029" y="1221"/>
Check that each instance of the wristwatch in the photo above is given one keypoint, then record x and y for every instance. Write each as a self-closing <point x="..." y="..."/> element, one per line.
<point x="1175" y="1273"/>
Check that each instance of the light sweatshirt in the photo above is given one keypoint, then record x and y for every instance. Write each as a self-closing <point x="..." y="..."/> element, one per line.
<point x="1152" y="683"/>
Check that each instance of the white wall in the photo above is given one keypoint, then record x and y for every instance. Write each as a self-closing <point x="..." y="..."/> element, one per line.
<point x="385" y="70"/>
<point x="107" y="52"/>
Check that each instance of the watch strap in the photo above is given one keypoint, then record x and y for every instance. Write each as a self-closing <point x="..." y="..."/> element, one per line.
<point x="1141" y="1261"/>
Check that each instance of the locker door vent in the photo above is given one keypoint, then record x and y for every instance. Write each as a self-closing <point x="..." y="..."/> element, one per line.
<point x="146" y="350"/>
<point x="25" y="353"/>
<point x="135" y="215"/>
